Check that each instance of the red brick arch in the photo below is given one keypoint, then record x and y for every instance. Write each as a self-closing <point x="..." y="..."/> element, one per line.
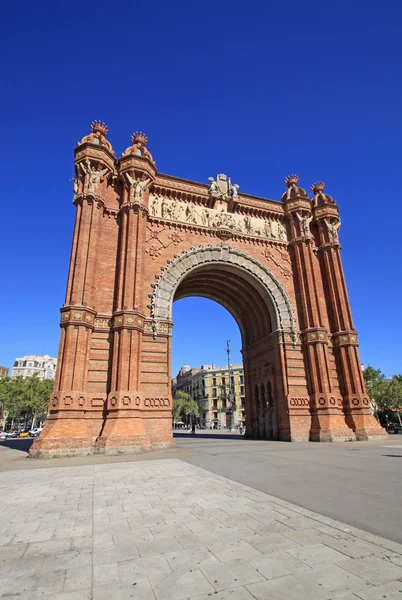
<point x="143" y="239"/>
<point x="227" y="258"/>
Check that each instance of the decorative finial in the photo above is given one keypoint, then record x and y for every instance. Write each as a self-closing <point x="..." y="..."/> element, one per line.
<point x="99" y="127"/>
<point x="139" y="137"/>
<point x="291" y="179"/>
<point x="318" y="186"/>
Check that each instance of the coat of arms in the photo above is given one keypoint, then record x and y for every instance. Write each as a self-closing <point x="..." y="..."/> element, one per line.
<point x="222" y="187"/>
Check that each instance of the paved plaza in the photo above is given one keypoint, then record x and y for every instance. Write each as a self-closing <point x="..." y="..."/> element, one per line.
<point x="165" y="529"/>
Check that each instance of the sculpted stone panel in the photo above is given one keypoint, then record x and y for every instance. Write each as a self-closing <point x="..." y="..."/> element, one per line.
<point x="192" y="214"/>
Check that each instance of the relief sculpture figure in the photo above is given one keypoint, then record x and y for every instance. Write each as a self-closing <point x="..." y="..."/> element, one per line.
<point x="191" y="216"/>
<point x="248" y="225"/>
<point x="205" y="217"/>
<point x="137" y="187"/>
<point x="93" y="177"/>
<point x="176" y="210"/>
<point x="333" y="230"/>
<point x="154" y="206"/>
<point x="164" y="208"/>
<point x="304" y="224"/>
<point x="213" y="186"/>
<point x="281" y="231"/>
<point x="267" y="228"/>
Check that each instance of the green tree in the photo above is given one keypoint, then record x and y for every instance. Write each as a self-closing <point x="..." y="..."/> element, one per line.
<point x="13" y="397"/>
<point x="179" y="400"/>
<point x="395" y="391"/>
<point x="36" y="398"/>
<point x="385" y="394"/>
<point x="184" y="406"/>
<point x="190" y="409"/>
<point x="25" y="397"/>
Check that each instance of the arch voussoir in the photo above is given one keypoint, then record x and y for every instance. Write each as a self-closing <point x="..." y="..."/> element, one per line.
<point x="189" y="260"/>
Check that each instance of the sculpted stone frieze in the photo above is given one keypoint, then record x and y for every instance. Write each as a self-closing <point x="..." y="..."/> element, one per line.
<point x="192" y="214"/>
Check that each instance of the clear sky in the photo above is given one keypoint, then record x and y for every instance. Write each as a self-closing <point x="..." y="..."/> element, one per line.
<point x="256" y="90"/>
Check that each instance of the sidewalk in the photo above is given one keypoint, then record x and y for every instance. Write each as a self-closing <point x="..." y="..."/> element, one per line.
<point x="164" y="529"/>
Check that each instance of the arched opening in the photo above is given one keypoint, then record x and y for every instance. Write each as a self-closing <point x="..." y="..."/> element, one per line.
<point x="262" y="312"/>
<point x="200" y="366"/>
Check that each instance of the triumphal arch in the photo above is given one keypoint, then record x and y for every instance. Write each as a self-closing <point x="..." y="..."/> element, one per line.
<point x="143" y="239"/>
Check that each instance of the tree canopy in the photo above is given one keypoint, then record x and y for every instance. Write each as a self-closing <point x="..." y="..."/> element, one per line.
<point x="184" y="406"/>
<point x="25" y="397"/>
<point x="385" y="394"/>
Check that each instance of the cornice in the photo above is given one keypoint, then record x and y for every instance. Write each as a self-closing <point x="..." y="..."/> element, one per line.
<point x="246" y="202"/>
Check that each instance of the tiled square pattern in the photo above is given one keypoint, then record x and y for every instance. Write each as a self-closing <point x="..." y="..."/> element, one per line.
<point x="166" y="530"/>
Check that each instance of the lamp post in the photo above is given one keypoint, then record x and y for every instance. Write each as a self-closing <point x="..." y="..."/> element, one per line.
<point x="231" y="395"/>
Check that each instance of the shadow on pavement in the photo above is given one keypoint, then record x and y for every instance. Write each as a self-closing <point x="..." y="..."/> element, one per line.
<point x="393" y="455"/>
<point x="22" y="444"/>
<point x="212" y="436"/>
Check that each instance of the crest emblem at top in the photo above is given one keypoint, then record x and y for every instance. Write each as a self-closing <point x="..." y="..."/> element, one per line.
<point x="222" y="187"/>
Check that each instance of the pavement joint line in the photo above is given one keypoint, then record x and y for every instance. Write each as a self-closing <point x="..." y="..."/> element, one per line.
<point x="350" y="530"/>
<point x="169" y="479"/>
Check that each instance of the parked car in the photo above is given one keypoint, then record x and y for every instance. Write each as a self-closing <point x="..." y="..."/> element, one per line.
<point x="390" y="420"/>
<point x="3" y="435"/>
<point x="13" y="434"/>
<point x="25" y="432"/>
<point x="35" y="431"/>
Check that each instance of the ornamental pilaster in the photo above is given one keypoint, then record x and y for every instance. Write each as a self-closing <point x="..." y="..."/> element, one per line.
<point x="325" y="401"/>
<point x="356" y="403"/>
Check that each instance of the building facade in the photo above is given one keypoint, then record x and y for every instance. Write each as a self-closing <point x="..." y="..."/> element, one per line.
<point x="42" y="366"/>
<point x="4" y="372"/>
<point x="210" y="386"/>
<point x="143" y="239"/>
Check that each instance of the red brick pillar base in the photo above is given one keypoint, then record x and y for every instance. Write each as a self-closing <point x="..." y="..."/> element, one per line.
<point x="328" y="421"/>
<point x="359" y="418"/>
<point x="72" y="428"/>
<point x="127" y="428"/>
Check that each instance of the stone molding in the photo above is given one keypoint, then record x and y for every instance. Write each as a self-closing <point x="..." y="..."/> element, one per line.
<point x="219" y="219"/>
<point x="345" y="338"/>
<point x="78" y="315"/>
<point x="188" y="260"/>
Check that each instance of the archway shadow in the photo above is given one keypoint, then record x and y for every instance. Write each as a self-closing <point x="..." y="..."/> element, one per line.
<point x="213" y="436"/>
<point x="21" y="444"/>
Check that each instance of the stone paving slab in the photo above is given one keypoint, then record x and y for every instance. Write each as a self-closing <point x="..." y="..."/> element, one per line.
<point x="167" y="530"/>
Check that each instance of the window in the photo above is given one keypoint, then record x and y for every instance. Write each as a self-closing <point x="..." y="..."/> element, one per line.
<point x="241" y="378"/>
<point x="243" y="403"/>
<point x="242" y="389"/>
<point x="223" y="381"/>
<point x="215" y="403"/>
<point x="214" y="381"/>
<point x="214" y="392"/>
<point x="16" y="363"/>
<point x="215" y="416"/>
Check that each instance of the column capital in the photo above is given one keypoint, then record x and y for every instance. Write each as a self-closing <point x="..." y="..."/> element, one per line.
<point x="128" y="319"/>
<point x="314" y="335"/>
<point x="77" y="315"/>
<point x="345" y="338"/>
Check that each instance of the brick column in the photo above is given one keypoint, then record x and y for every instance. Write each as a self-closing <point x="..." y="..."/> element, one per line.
<point x="125" y="427"/>
<point x="356" y="402"/>
<point x="74" y="420"/>
<point x="327" y="418"/>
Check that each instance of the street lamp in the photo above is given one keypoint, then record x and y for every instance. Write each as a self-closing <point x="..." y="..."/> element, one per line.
<point x="231" y="395"/>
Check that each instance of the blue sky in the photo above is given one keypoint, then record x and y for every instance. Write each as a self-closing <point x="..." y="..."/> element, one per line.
<point x="256" y="90"/>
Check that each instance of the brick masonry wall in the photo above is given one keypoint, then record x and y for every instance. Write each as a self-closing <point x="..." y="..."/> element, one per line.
<point x="112" y="387"/>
